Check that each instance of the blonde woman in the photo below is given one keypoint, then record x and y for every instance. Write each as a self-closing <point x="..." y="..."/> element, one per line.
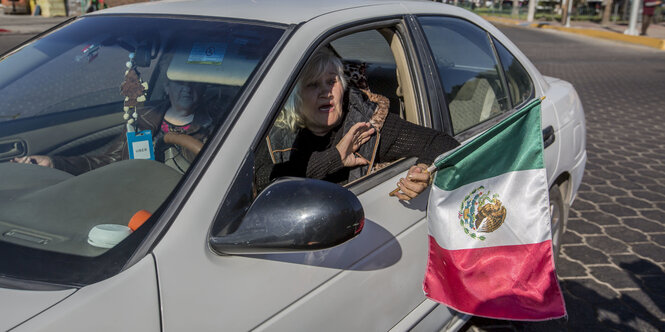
<point x="341" y="133"/>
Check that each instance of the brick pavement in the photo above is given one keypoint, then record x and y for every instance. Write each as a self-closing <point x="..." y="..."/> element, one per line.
<point x="612" y="265"/>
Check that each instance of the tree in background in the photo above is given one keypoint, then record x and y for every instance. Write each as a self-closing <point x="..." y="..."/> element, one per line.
<point x="516" y="8"/>
<point x="607" y="12"/>
<point x="564" y="11"/>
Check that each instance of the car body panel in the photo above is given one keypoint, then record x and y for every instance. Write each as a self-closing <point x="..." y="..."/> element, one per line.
<point x="125" y="302"/>
<point x="571" y="132"/>
<point x="285" y="12"/>
<point x="24" y="304"/>
<point x="395" y="234"/>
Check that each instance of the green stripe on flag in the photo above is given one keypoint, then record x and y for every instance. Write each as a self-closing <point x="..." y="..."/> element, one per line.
<point x="514" y="144"/>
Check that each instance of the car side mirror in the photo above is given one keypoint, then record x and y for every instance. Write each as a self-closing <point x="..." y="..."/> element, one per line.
<point x="295" y="214"/>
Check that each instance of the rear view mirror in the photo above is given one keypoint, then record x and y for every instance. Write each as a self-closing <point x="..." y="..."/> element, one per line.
<point x="295" y="214"/>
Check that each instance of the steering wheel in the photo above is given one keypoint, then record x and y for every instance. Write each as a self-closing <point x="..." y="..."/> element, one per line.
<point x="185" y="141"/>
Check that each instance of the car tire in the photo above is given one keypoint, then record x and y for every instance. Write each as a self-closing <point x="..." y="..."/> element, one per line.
<point x="559" y="218"/>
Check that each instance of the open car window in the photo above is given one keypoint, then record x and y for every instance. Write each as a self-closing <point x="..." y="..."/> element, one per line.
<point x="374" y="64"/>
<point x="102" y="99"/>
<point x="369" y="66"/>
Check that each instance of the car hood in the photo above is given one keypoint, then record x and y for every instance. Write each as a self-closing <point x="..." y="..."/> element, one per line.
<point x="18" y="305"/>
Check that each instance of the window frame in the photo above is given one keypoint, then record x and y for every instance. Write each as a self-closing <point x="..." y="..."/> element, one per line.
<point x="234" y="202"/>
<point x="435" y="78"/>
<point x="421" y="94"/>
<point x="493" y="41"/>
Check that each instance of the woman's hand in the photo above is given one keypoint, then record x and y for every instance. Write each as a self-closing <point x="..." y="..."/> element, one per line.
<point x="358" y="135"/>
<point x="188" y="142"/>
<point x="417" y="179"/>
<point x="37" y="160"/>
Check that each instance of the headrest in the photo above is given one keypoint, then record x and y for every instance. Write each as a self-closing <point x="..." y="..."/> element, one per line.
<point x="356" y="75"/>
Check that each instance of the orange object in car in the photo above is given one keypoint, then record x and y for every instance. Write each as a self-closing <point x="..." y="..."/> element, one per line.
<point x="138" y="219"/>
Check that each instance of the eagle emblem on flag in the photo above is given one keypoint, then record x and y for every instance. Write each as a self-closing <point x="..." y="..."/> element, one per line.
<point x="481" y="212"/>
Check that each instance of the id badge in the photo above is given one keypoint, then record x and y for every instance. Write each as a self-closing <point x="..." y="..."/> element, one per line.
<point x="140" y="145"/>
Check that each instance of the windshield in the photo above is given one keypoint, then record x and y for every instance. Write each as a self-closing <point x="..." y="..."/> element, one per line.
<point x="99" y="121"/>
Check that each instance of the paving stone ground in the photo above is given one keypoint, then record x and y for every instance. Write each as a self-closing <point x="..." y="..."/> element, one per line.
<point x="612" y="264"/>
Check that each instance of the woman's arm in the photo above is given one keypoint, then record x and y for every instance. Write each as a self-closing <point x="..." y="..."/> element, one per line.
<point x="400" y="139"/>
<point x="80" y="164"/>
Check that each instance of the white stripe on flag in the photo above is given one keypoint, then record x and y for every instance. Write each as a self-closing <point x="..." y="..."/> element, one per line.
<point x="523" y="194"/>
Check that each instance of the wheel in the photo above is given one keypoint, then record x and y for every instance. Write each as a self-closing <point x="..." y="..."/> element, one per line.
<point x="559" y="215"/>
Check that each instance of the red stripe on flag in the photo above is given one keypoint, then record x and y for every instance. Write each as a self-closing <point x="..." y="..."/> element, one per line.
<point x="515" y="282"/>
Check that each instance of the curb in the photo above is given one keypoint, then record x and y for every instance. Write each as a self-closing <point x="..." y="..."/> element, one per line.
<point x="4" y="30"/>
<point x="640" y="40"/>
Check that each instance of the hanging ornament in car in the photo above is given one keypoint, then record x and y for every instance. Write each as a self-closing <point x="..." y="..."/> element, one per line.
<point x="134" y="90"/>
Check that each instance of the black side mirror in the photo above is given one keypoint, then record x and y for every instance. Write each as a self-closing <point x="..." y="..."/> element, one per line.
<point x="295" y="214"/>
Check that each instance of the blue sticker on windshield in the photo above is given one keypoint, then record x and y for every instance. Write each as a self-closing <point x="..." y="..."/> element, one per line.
<point x="140" y="145"/>
<point x="207" y="53"/>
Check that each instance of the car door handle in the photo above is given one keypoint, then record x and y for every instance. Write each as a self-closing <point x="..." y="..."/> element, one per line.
<point x="12" y="148"/>
<point x="548" y="136"/>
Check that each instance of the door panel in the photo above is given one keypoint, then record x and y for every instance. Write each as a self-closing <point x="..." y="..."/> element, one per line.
<point x="50" y="135"/>
<point x="383" y="285"/>
<point x="371" y="282"/>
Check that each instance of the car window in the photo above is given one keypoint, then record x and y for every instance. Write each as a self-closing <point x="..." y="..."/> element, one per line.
<point x="468" y="71"/>
<point x="103" y="117"/>
<point x="371" y="70"/>
<point x="371" y="65"/>
<point x="519" y="82"/>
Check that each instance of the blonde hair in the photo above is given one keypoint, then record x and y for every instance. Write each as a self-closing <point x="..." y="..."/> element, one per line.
<point x="291" y="117"/>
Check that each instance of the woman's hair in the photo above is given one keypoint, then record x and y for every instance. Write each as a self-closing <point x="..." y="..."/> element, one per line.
<point x="290" y="116"/>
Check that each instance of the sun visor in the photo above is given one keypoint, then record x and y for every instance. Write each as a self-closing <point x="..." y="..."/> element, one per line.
<point x="210" y="62"/>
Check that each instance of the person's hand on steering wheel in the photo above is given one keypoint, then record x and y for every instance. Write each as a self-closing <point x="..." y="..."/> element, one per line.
<point x="36" y="160"/>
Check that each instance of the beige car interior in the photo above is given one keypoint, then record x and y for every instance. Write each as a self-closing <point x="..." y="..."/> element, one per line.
<point x="405" y="91"/>
<point x="474" y="103"/>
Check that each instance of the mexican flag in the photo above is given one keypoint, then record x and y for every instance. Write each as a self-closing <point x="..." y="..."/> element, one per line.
<point x="490" y="244"/>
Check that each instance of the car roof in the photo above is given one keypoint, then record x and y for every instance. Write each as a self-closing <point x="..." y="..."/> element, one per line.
<point x="277" y="11"/>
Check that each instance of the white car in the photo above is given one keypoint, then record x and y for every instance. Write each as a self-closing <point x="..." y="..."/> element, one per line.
<point x="210" y="252"/>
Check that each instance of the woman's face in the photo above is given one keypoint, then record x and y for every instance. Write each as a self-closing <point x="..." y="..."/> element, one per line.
<point x="184" y="95"/>
<point x="322" y="101"/>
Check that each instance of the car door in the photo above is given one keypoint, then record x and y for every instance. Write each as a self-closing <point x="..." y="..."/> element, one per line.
<point x="372" y="282"/>
<point x="379" y="273"/>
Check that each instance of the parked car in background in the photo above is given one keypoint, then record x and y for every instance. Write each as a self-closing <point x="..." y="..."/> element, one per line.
<point x="209" y="251"/>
